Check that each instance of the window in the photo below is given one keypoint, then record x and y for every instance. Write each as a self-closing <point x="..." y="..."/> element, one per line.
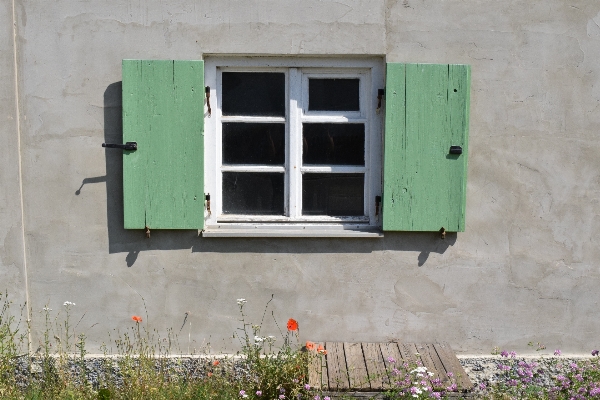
<point x="293" y="146"/>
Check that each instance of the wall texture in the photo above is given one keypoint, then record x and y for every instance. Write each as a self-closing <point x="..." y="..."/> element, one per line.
<point x="526" y="269"/>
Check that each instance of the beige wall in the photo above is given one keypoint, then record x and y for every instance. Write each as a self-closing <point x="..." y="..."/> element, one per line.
<point x="526" y="269"/>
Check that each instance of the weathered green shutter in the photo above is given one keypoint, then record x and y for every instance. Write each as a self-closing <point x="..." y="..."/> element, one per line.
<point x="427" y="111"/>
<point x="163" y="111"/>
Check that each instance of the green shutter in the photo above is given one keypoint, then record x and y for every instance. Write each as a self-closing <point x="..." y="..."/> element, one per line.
<point x="427" y="111"/>
<point x="163" y="111"/>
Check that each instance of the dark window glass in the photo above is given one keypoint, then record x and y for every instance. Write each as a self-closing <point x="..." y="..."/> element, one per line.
<point x="333" y="194"/>
<point x="253" y="93"/>
<point x="253" y="143"/>
<point x="333" y="94"/>
<point x="334" y="144"/>
<point x="254" y="193"/>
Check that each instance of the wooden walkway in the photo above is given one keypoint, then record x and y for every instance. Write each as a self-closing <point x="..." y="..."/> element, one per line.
<point x="367" y="367"/>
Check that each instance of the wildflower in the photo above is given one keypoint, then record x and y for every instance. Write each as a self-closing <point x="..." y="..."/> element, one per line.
<point x="326" y="398"/>
<point x="450" y="374"/>
<point x="430" y="373"/>
<point x="512" y="354"/>
<point x="415" y="390"/>
<point x="281" y="390"/>
<point x="243" y="393"/>
<point x="317" y="397"/>
<point x="68" y="303"/>
<point x="292" y="325"/>
<point x="307" y="387"/>
<point x="310" y="345"/>
<point x="209" y="374"/>
<point x="258" y="339"/>
<point x="47" y="309"/>
<point x="137" y="318"/>
<point x="436" y="395"/>
<point x="241" y="302"/>
<point x="557" y="352"/>
<point x="504" y="353"/>
<point x="321" y="350"/>
<point x="451" y="388"/>
<point x="595" y="352"/>
<point x="258" y="393"/>
<point x="282" y="396"/>
<point x="482" y="386"/>
<point x="391" y="359"/>
<point x="215" y="363"/>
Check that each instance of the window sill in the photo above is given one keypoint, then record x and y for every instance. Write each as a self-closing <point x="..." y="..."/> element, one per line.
<point x="312" y="231"/>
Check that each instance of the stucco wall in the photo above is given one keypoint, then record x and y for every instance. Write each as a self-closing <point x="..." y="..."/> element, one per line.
<point x="526" y="269"/>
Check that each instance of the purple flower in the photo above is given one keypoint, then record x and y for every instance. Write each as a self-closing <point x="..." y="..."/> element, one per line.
<point x="326" y="398"/>
<point x="282" y="396"/>
<point x="281" y="390"/>
<point x="595" y="352"/>
<point x="557" y="352"/>
<point x="258" y="393"/>
<point x="243" y="393"/>
<point x="436" y="395"/>
<point x="504" y="353"/>
<point x="391" y="360"/>
<point x="512" y="354"/>
<point x="317" y="397"/>
<point x="595" y="391"/>
<point x="482" y="386"/>
<point x="307" y="386"/>
<point x="451" y="388"/>
<point x="450" y="374"/>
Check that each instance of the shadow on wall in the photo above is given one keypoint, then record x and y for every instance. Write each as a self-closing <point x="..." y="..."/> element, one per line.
<point x="121" y="240"/>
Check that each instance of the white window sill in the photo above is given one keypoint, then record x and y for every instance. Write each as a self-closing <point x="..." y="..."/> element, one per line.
<point x="272" y="230"/>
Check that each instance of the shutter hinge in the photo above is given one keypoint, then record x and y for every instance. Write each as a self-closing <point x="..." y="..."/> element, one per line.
<point x="380" y="93"/>
<point x="208" y="203"/>
<point x="443" y="233"/>
<point x="207" y="91"/>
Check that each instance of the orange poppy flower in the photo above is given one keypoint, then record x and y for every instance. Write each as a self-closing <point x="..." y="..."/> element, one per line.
<point x="321" y="350"/>
<point x="137" y="318"/>
<point x="292" y="325"/>
<point x="310" y="345"/>
<point x="216" y="362"/>
<point x="209" y="374"/>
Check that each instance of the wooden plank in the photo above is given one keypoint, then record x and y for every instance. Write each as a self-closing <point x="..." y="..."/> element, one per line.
<point x="392" y="359"/>
<point x="451" y="364"/>
<point x="375" y="366"/>
<point x="426" y="113"/>
<point x="357" y="370"/>
<point x="408" y="351"/>
<point x="163" y="180"/>
<point x="317" y="369"/>
<point x="432" y="362"/>
<point x="336" y="366"/>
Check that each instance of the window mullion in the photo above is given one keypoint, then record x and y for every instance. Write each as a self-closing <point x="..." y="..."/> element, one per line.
<point x="294" y="147"/>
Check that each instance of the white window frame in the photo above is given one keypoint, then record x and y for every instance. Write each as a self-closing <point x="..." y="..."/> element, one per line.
<point x="297" y="71"/>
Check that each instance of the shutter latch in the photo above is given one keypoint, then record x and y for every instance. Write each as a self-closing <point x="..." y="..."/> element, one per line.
<point x="443" y="233"/>
<point x="455" y="150"/>
<point x="131" y="146"/>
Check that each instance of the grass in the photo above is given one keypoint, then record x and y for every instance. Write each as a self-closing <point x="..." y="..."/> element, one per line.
<point x="268" y="367"/>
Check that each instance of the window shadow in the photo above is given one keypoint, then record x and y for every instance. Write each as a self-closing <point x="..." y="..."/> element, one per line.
<point x="132" y="242"/>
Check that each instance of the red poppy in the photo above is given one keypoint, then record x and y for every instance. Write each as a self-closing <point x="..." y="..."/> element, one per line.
<point x="137" y="318"/>
<point x="292" y="325"/>
<point x="216" y="362"/>
<point x="310" y="345"/>
<point x="321" y="350"/>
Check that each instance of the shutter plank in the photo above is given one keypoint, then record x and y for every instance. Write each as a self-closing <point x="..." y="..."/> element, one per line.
<point x="425" y="186"/>
<point x="163" y="111"/>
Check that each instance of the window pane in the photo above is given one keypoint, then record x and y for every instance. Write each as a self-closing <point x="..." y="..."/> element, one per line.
<point x="255" y="193"/>
<point x="333" y="194"/>
<point x="334" y="144"/>
<point x="253" y="143"/>
<point x="253" y="93"/>
<point x="333" y="94"/>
